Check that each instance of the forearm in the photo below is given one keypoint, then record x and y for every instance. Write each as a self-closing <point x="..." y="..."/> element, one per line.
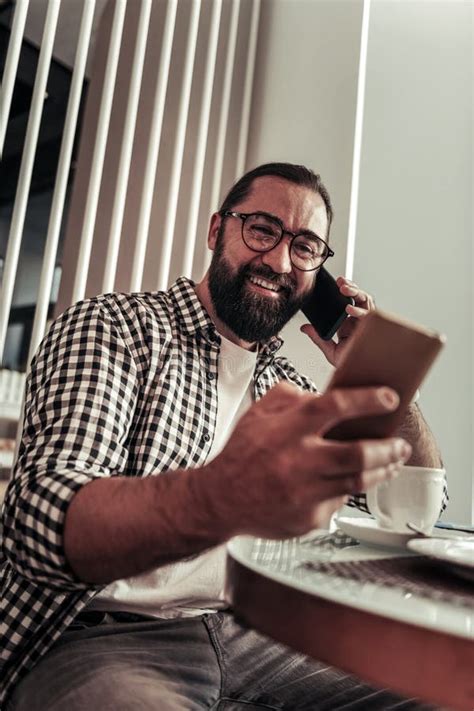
<point x="119" y="527"/>
<point x="414" y="429"/>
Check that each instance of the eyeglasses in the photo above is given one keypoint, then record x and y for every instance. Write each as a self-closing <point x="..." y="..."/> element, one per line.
<point x="262" y="232"/>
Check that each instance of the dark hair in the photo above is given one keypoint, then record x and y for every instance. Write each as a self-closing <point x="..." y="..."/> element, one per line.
<point x="298" y="174"/>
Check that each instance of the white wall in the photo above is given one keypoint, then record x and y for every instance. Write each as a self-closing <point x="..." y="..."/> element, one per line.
<point x="304" y="105"/>
<point x="414" y="233"/>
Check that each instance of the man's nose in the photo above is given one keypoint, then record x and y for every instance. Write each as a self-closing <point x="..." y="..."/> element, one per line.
<point x="278" y="258"/>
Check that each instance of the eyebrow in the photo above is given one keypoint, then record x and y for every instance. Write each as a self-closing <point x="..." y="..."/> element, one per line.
<point x="306" y="233"/>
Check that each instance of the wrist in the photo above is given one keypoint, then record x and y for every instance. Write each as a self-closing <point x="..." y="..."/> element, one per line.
<point x="197" y="511"/>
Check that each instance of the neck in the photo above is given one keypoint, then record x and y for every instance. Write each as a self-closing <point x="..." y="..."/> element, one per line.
<point x="204" y="296"/>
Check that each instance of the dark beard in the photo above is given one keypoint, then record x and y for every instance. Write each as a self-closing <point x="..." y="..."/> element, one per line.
<point x="251" y="316"/>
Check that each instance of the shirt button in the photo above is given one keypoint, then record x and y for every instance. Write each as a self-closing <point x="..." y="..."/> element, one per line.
<point x="206" y="437"/>
<point x="210" y="376"/>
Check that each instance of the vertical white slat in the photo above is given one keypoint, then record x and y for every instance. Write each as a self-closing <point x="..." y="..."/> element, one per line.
<point x="153" y="147"/>
<point x="11" y="67"/>
<point x="248" y="87"/>
<point x="224" y="113"/>
<point x="183" y="111"/>
<point x="87" y="233"/>
<point x="26" y="168"/>
<point x="358" y="128"/>
<point x="202" y="136"/>
<point x="57" y="207"/>
<point x="127" y="146"/>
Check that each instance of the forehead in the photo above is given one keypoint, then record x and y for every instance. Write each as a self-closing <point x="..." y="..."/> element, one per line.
<point x="299" y="207"/>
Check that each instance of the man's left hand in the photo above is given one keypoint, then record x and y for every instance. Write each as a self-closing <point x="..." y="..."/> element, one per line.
<point x="333" y="350"/>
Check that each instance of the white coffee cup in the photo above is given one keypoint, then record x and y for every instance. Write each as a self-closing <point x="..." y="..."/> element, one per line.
<point x="414" y="496"/>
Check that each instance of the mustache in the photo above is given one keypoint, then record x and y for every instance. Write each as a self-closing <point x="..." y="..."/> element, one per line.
<point x="282" y="280"/>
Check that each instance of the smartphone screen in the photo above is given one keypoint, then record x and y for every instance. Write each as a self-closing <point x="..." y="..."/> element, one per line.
<point x="325" y="307"/>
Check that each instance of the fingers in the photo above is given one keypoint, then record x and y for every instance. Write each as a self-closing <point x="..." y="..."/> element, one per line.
<point x="337" y="459"/>
<point x="356" y="311"/>
<point x="312" y="333"/>
<point x="352" y="468"/>
<point x="319" y="415"/>
<point x="363" y="301"/>
<point x="327" y="347"/>
<point x="347" y="329"/>
<point x="351" y="484"/>
<point x="311" y="413"/>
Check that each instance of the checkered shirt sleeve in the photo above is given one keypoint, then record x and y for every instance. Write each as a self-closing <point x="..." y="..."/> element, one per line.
<point x="81" y="396"/>
<point x="285" y="370"/>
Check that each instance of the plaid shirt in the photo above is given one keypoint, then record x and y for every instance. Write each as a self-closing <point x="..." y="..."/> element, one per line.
<point x="122" y="385"/>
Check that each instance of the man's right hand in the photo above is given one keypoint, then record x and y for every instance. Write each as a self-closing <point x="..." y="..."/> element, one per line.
<point x="278" y="477"/>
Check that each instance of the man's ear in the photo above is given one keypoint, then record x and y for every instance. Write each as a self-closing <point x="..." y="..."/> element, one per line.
<point x="214" y="225"/>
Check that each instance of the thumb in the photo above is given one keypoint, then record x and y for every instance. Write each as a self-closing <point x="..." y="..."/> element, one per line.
<point x="327" y="347"/>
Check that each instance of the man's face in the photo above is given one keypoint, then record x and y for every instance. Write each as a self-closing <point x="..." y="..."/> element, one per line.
<point x="252" y="311"/>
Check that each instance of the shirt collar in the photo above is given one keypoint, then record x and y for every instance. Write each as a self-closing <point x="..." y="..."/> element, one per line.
<point x="191" y="314"/>
<point x="194" y="318"/>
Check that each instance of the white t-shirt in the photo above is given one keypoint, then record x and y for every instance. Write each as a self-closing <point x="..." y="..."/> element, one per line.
<point x="192" y="586"/>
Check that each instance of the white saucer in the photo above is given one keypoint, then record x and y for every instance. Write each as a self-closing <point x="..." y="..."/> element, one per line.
<point x="367" y="530"/>
<point x="458" y="555"/>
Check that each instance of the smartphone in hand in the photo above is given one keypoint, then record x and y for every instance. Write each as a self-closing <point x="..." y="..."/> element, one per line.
<point x="384" y="350"/>
<point x="325" y="307"/>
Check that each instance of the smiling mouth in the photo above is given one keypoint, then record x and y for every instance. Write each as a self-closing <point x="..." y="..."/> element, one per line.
<point x="267" y="286"/>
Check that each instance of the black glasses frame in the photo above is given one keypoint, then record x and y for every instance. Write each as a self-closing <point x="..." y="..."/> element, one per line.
<point x="245" y="215"/>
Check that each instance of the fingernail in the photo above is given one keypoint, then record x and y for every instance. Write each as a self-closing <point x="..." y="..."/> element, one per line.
<point x="407" y="450"/>
<point x="388" y="397"/>
<point x="402" y="449"/>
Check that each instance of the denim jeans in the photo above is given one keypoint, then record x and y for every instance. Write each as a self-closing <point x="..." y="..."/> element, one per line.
<point x="205" y="662"/>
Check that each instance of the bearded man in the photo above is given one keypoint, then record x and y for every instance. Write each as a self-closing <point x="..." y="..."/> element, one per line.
<point x="158" y="426"/>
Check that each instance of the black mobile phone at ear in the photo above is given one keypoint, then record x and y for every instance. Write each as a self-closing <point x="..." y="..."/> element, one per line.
<point x="325" y="307"/>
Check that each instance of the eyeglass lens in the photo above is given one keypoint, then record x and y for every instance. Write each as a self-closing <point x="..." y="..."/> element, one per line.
<point x="262" y="233"/>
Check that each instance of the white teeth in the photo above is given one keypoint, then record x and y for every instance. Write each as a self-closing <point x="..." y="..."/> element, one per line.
<point x="264" y="283"/>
